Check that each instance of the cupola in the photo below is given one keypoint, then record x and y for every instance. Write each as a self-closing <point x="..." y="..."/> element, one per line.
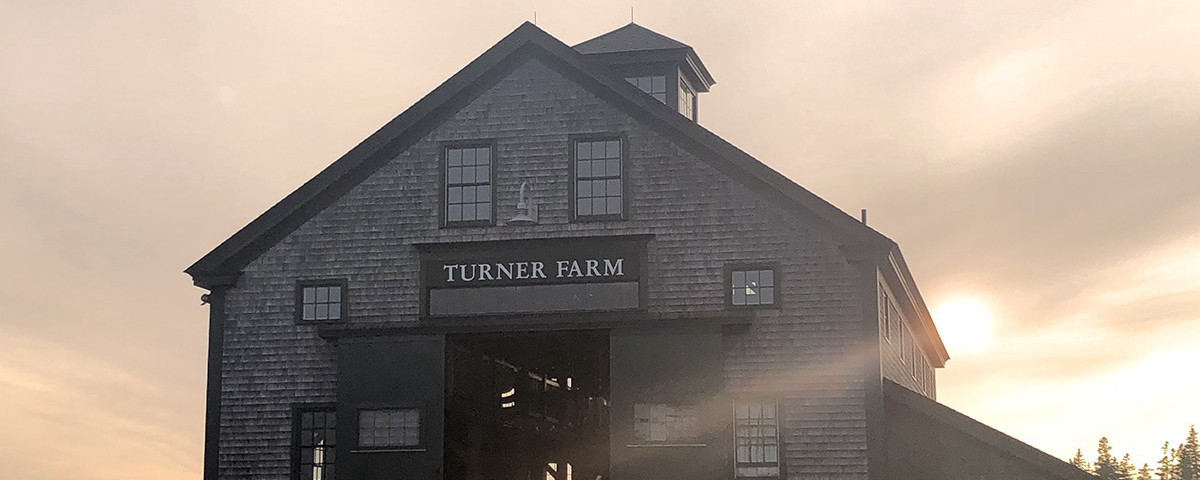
<point x="666" y="69"/>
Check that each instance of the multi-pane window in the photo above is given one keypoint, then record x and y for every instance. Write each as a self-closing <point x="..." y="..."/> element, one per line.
<point x="894" y="321"/>
<point x="905" y="345"/>
<point x="321" y="302"/>
<point x="393" y="427"/>
<point x="687" y="100"/>
<point x="315" y="442"/>
<point x="655" y="85"/>
<point x="752" y="287"/>
<point x="598" y="189"/>
<point x="757" y="437"/>
<point x="916" y="355"/>
<point x="885" y="323"/>
<point x="665" y="423"/>
<point x="469" y="184"/>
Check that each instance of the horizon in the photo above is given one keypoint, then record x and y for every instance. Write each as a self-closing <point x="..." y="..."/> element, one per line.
<point x="1036" y="164"/>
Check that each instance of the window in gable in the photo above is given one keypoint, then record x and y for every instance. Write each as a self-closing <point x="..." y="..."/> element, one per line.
<point x="469" y="185"/>
<point x="320" y="300"/>
<point x="599" y="189"/>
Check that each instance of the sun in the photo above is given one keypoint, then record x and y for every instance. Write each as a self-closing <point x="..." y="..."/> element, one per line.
<point x="965" y="324"/>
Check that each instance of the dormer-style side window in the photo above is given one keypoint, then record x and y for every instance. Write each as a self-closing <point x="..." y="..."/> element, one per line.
<point x="320" y="300"/>
<point x="599" y="190"/>
<point x="655" y="85"/>
<point x="752" y="286"/>
<point x="687" y="100"/>
<point x="469" y="185"/>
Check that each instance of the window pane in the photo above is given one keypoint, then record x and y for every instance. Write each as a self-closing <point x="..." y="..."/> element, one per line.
<point x="483" y="193"/>
<point x="322" y="311"/>
<point x="483" y="173"/>
<point x="612" y="148"/>
<point x="468" y="213"/>
<point x="598" y="188"/>
<point x="322" y="294"/>
<point x="456" y="195"/>
<point x="659" y="84"/>
<point x="584" y="188"/>
<point x="598" y="206"/>
<point x="766" y="278"/>
<point x="614" y="166"/>
<point x="468" y="157"/>
<point x="614" y="205"/>
<point x="455" y="157"/>
<point x="483" y="156"/>
<point x="454" y="213"/>
<point x="309" y="311"/>
<point x="483" y="211"/>
<point x="468" y="175"/>
<point x="739" y="296"/>
<point x="454" y="175"/>
<point x="335" y="310"/>
<point x="584" y="169"/>
<point x="582" y="151"/>
<point x="739" y="279"/>
<point x="597" y="149"/>
<point x="584" y="207"/>
<point x="468" y="195"/>
<point x="766" y="296"/>
<point x="309" y="294"/>
<point x="335" y="294"/>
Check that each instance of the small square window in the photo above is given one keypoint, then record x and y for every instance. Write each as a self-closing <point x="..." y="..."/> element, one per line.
<point x="321" y="301"/>
<point x="752" y="287"/>
<point x="395" y="427"/>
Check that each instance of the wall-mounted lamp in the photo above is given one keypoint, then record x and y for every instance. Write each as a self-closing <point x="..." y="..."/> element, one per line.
<point x="526" y="211"/>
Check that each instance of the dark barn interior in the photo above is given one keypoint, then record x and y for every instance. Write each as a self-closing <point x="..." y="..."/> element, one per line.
<point x="529" y="406"/>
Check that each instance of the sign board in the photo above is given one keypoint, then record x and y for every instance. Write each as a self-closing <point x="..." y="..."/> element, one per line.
<point x="587" y="274"/>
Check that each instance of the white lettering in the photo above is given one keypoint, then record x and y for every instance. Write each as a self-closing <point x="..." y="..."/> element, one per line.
<point x="591" y="268"/>
<point x="449" y="272"/>
<point x="504" y="269"/>
<point x="537" y="270"/>
<point x="522" y="270"/>
<point x="462" y="272"/>
<point x="562" y="267"/>
<point x="575" y="272"/>
<point x="614" y="269"/>
<point x="485" y="271"/>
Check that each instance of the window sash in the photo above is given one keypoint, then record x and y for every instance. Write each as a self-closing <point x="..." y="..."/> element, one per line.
<point x="599" y="185"/>
<point x="315" y="444"/>
<point x="321" y="302"/>
<point x="751" y="287"/>
<point x="756" y="439"/>
<point x="468" y="186"/>
<point x="392" y="427"/>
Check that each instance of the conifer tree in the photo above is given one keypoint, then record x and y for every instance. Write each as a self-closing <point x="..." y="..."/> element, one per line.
<point x="1165" y="470"/>
<point x="1125" y="469"/>
<point x="1106" y="465"/>
<point x="1189" y="457"/>
<point x="1079" y="462"/>
<point x="1145" y="473"/>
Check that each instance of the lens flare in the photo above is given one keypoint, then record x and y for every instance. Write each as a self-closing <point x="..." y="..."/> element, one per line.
<point x="965" y="325"/>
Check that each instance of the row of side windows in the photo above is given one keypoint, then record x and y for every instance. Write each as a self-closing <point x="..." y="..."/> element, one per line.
<point x="598" y="185"/>
<point x="893" y="328"/>
<point x="746" y="286"/>
<point x="756" y="435"/>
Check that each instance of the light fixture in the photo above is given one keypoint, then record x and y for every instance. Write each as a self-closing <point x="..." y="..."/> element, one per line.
<point x="526" y="211"/>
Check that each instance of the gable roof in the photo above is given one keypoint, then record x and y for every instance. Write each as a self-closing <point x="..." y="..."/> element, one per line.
<point x="224" y="263"/>
<point x="896" y="396"/>
<point x="630" y="38"/>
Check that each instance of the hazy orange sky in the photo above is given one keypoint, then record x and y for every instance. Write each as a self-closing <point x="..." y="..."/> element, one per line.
<point x="1040" y="157"/>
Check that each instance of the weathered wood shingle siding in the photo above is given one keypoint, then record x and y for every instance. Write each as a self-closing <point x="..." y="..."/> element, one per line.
<point x="701" y="219"/>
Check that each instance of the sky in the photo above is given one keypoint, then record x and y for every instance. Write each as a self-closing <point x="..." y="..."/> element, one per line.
<point x="1037" y="161"/>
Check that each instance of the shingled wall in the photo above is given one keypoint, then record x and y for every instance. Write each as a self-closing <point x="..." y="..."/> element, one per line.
<point x="809" y="350"/>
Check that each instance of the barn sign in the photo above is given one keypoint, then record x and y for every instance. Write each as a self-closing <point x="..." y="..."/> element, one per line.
<point x="586" y="274"/>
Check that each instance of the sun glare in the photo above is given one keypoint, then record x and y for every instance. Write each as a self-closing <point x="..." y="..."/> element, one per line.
<point x="965" y="325"/>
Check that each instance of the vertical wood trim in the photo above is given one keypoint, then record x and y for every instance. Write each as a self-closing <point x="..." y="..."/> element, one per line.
<point x="212" y="404"/>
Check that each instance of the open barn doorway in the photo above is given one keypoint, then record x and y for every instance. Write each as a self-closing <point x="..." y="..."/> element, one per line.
<point x="528" y="406"/>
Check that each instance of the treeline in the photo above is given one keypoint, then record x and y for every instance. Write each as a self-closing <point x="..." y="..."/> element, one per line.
<point x="1179" y="463"/>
